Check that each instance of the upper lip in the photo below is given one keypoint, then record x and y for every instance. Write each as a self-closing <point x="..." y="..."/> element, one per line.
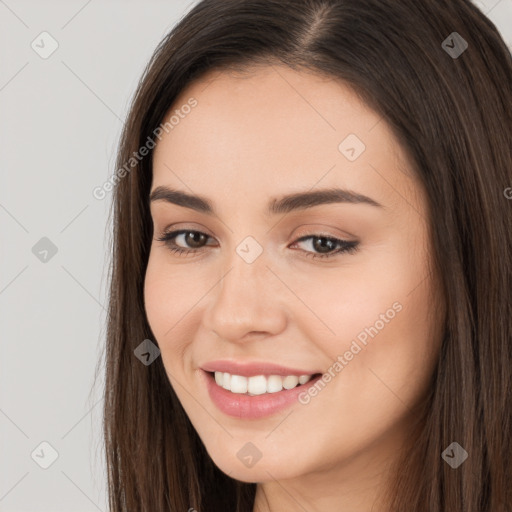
<point x="251" y="369"/>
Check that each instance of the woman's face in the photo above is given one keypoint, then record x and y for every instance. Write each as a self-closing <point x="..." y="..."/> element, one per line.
<point x="254" y="290"/>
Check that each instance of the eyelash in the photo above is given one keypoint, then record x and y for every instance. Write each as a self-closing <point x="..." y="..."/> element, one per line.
<point x="346" y="247"/>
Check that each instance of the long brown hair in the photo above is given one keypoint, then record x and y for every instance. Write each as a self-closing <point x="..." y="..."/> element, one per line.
<point x="451" y="109"/>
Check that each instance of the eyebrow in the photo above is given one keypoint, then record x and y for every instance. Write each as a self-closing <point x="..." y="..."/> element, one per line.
<point x="285" y="204"/>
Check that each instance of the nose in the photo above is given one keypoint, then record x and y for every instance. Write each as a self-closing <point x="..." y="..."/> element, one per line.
<point x="248" y="301"/>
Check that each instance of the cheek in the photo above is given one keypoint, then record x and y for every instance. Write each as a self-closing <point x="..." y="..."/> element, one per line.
<point x="158" y="295"/>
<point x="169" y="293"/>
<point x="169" y="297"/>
<point x="348" y="302"/>
<point x="382" y="323"/>
<point x="383" y="370"/>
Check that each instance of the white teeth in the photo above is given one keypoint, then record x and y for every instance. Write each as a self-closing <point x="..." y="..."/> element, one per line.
<point x="290" y="382"/>
<point x="304" y="378"/>
<point x="274" y="384"/>
<point x="238" y="384"/>
<point x="258" y="384"/>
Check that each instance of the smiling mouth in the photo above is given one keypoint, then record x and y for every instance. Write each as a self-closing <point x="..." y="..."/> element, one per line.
<point x="259" y="384"/>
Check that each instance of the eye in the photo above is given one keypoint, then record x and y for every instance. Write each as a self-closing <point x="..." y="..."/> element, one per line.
<point x="325" y="246"/>
<point x="195" y="240"/>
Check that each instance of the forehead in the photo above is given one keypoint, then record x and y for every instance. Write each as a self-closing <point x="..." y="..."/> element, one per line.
<point x="272" y="128"/>
<point x="270" y="106"/>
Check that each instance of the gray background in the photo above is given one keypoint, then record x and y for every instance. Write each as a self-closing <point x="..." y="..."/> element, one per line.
<point x="60" y="123"/>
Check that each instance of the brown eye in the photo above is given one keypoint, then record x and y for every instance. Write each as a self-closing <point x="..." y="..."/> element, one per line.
<point x="193" y="240"/>
<point x="323" y="244"/>
<point x="326" y="247"/>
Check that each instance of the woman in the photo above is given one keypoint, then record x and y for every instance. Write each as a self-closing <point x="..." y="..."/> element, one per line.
<point x="310" y="303"/>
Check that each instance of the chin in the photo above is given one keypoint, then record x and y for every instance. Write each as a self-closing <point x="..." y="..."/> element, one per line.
<point x="264" y="469"/>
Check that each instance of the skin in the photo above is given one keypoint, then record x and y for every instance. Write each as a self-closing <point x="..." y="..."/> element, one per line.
<point x="265" y="134"/>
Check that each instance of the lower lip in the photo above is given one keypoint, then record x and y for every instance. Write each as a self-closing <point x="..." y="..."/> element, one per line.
<point x="252" y="407"/>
